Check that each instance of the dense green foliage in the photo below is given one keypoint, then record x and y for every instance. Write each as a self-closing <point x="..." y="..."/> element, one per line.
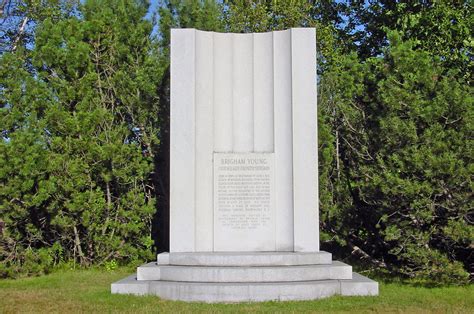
<point x="79" y="111"/>
<point x="84" y="102"/>
<point x="404" y="162"/>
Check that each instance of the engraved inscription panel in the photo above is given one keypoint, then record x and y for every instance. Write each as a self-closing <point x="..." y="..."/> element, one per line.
<point x="244" y="202"/>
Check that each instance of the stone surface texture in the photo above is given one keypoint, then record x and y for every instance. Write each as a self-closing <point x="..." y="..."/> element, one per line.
<point x="335" y="270"/>
<point x="244" y="202"/>
<point x="242" y="94"/>
<point x="245" y="277"/>
<point x="245" y="258"/>
<point x="244" y="223"/>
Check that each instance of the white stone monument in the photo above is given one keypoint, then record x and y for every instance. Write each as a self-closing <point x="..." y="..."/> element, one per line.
<point x="244" y="222"/>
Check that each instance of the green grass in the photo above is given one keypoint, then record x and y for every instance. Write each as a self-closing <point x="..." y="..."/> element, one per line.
<point x="89" y="291"/>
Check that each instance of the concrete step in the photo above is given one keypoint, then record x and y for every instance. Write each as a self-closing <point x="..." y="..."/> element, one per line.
<point x="335" y="270"/>
<point x="245" y="258"/>
<point x="246" y="292"/>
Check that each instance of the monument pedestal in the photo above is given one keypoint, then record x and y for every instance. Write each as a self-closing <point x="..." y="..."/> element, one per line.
<point x="245" y="277"/>
<point x="244" y="205"/>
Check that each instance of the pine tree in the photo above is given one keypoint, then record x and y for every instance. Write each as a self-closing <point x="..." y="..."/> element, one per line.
<point x="402" y="123"/>
<point x="78" y="136"/>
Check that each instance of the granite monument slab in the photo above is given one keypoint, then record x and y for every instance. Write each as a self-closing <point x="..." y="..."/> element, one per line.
<point x="244" y="223"/>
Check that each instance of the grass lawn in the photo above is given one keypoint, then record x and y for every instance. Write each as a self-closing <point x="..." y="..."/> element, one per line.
<point x="89" y="291"/>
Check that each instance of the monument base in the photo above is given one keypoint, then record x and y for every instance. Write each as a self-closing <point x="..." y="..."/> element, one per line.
<point x="245" y="277"/>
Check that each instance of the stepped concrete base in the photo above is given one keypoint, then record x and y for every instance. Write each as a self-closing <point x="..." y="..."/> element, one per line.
<point x="245" y="258"/>
<point x="245" y="277"/>
<point x="247" y="292"/>
<point x="335" y="270"/>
